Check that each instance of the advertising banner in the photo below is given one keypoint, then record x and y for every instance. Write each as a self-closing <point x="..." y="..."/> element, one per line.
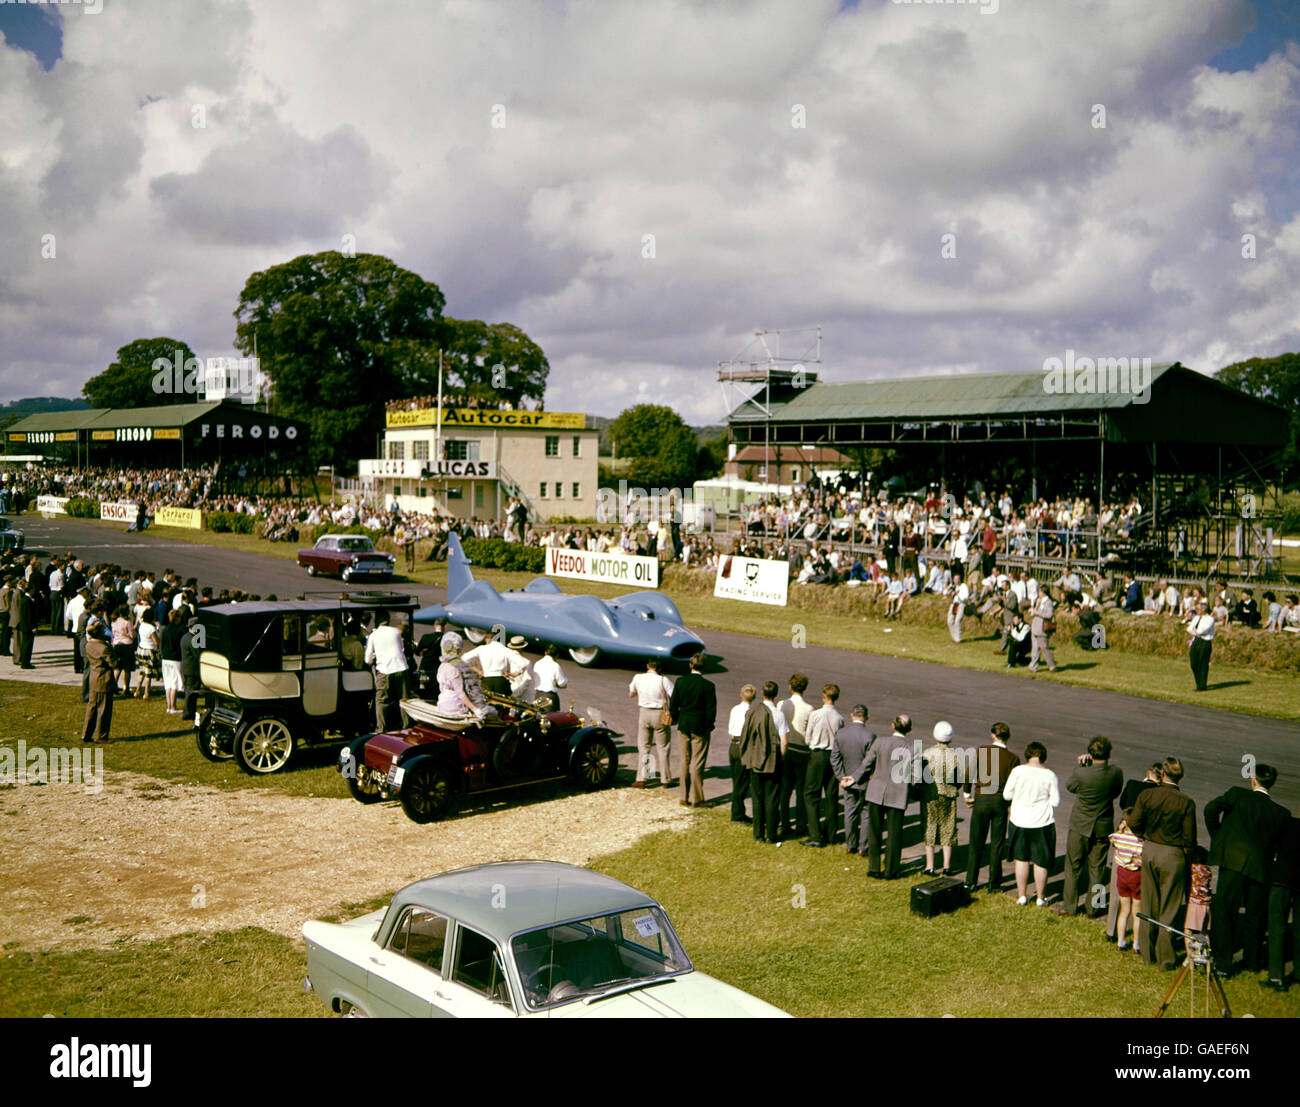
<point x="118" y="512"/>
<point x="612" y="568"/>
<point x="753" y="580"/>
<point x="488" y="417"/>
<point x="413" y="469"/>
<point x="188" y="517"/>
<point x="52" y="505"/>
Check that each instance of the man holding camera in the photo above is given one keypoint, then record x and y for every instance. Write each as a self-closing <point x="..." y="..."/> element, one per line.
<point x="1095" y="783"/>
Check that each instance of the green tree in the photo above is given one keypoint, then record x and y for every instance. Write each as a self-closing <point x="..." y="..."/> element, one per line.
<point x="661" y="447"/>
<point x="1276" y="379"/>
<point x="129" y="381"/>
<point x="338" y="336"/>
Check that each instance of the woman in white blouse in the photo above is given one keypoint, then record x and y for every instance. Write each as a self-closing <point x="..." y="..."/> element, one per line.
<point x="1034" y="795"/>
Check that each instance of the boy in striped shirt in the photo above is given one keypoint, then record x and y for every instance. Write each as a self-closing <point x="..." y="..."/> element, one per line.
<point x="1128" y="881"/>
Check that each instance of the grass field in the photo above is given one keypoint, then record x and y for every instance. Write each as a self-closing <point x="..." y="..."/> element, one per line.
<point x="803" y="929"/>
<point x="1232" y="688"/>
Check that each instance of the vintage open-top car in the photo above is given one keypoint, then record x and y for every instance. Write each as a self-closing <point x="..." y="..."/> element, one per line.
<point x="516" y="938"/>
<point x="281" y="675"/>
<point x="432" y="763"/>
<point x="346" y="556"/>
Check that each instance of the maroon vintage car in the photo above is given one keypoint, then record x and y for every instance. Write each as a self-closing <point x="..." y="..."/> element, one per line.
<point x="346" y="556"/>
<point x="429" y="767"/>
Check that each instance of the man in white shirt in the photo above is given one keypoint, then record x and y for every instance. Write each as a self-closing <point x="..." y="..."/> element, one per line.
<point x="492" y="659"/>
<point x="651" y="692"/>
<point x="821" y="816"/>
<point x="957" y="608"/>
<point x="549" y="677"/>
<point x="519" y="670"/>
<point x="739" y="773"/>
<point x="1201" y="628"/>
<point x="385" y="652"/>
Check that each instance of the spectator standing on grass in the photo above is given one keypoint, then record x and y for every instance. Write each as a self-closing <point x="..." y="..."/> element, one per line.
<point x="693" y="706"/>
<point x="170" y="645"/>
<point x="549" y="677"/>
<point x="985" y="781"/>
<point x="1165" y="820"/>
<point x="848" y="757"/>
<point x="887" y="768"/>
<point x="123" y="649"/>
<point x="1245" y="827"/>
<point x="1284" y="900"/>
<point x="1034" y="794"/>
<point x="794" y="761"/>
<point x="1127" y="890"/>
<point x="957" y="607"/>
<point x="760" y="753"/>
<point x="939" y="798"/>
<point x="1095" y="784"/>
<point x="191" y="681"/>
<point x="147" y="658"/>
<point x="1041" y="629"/>
<point x="739" y="772"/>
<point x="820" y="794"/>
<point x="1201" y="645"/>
<point x="652" y="691"/>
<point x="103" y="683"/>
<point x="384" y="651"/>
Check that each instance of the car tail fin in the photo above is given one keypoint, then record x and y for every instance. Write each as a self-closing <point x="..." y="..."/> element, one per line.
<point x="459" y="577"/>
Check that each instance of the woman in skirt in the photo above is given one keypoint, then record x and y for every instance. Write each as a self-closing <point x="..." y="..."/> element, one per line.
<point x="1034" y="794"/>
<point x="147" y="658"/>
<point x="123" y="649"/>
<point x="939" y="798"/>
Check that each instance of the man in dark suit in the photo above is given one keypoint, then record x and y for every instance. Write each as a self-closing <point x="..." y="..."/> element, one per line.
<point x="848" y="754"/>
<point x="22" y="620"/>
<point x="985" y="781"/>
<point x="1165" y="820"/>
<point x="760" y="753"/>
<point x="1284" y="898"/>
<point x="694" y="709"/>
<point x="191" y="681"/>
<point x="6" y="590"/>
<point x="1245" y="825"/>
<point x="887" y="769"/>
<point x="1127" y="798"/>
<point x="1095" y="783"/>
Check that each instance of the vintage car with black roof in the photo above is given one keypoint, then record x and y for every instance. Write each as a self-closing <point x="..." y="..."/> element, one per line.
<point x="278" y="676"/>
<point x="535" y="939"/>
<point x="346" y="556"/>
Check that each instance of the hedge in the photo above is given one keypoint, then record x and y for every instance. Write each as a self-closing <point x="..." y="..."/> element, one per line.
<point x="496" y="553"/>
<point x="227" y="521"/>
<point x="1154" y="635"/>
<point x="80" y="507"/>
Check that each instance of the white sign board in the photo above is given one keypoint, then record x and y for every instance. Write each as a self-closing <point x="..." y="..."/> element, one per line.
<point x="412" y="469"/>
<point x="752" y="579"/>
<point x="612" y="568"/>
<point x="52" y="505"/>
<point x="118" y="512"/>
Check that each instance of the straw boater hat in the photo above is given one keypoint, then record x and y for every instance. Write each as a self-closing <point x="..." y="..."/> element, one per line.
<point x="517" y="642"/>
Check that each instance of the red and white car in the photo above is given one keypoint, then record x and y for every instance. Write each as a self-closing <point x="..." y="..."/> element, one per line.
<point x="346" y="556"/>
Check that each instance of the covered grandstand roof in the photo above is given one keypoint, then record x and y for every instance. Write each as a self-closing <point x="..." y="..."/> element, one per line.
<point x="164" y="415"/>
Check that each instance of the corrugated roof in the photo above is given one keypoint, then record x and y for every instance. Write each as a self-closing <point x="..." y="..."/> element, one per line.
<point x="108" y="418"/>
<point x="953" y="396"/>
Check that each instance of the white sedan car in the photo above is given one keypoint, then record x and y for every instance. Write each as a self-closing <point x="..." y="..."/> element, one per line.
<point x="513" y="939"/>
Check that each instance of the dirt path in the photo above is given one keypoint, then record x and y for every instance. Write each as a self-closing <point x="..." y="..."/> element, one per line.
<point x="146" y="859"/>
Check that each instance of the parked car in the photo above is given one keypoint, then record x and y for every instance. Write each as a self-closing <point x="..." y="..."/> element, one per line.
<point x="516" y="939"/>
<point x="278" y="676"/>
<point x="643" y="624"/>
<point x="10" y="539"/>
<point x="346" y="556"/>
<point x="429" y="766"/>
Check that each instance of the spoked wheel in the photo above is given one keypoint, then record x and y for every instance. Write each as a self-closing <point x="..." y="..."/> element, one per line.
<point x="362" y="784"/>
<point x="428" y="791"/>
<point x="584" y="656"/>
<point x="212" y="745"/>
<point x="476" y="635"/>
<point x="595" y="763"/>
<point x="264" y="746"/>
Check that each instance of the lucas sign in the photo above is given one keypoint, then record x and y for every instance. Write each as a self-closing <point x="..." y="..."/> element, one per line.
<point x="752" y="579"/>
<point x="612" y="568"/>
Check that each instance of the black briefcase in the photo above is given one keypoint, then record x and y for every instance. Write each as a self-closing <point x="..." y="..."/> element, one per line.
<point x="937" y="897"/>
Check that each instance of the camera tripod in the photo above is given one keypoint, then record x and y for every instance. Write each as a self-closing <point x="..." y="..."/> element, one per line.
<point x="1198" y="957"/>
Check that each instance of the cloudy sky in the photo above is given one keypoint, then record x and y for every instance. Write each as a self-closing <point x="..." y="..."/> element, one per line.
<point x="796" y="162"/>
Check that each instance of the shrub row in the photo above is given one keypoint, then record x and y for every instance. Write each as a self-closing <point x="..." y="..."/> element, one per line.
<point x="496" y="553"/>
<point x="81" y="507"/>
<point x="1154" y="635"/>
<point x="223" y="522"/>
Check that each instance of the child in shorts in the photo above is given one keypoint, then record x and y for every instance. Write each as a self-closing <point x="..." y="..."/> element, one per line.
<point x="1128" y="881"/>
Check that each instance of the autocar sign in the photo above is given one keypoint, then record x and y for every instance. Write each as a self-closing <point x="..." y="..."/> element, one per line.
<point x="612" y="568"/>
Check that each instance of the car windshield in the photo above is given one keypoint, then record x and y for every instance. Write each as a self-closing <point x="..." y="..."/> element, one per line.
<point x="355" y="544"/>
<point x="582" y="959"/>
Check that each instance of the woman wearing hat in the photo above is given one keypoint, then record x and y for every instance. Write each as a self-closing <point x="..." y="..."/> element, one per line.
<point x="939" y="798"/>
<point x="459" y="690"/>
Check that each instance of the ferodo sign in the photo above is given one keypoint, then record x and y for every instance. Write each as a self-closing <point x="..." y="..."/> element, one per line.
<point x="118" y="512"/>
<point x="254" y="430"/>
<point x="612" y="568"/>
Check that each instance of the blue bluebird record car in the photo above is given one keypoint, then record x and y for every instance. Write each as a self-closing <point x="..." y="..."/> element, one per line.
<point x="643" y="624"/>
<point x="516" y="939"/>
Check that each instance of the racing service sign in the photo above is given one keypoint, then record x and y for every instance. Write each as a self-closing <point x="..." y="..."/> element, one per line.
<point x="612" y="567"/>
<point x="118" y="512"/>
<point x="753" y="579"/>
